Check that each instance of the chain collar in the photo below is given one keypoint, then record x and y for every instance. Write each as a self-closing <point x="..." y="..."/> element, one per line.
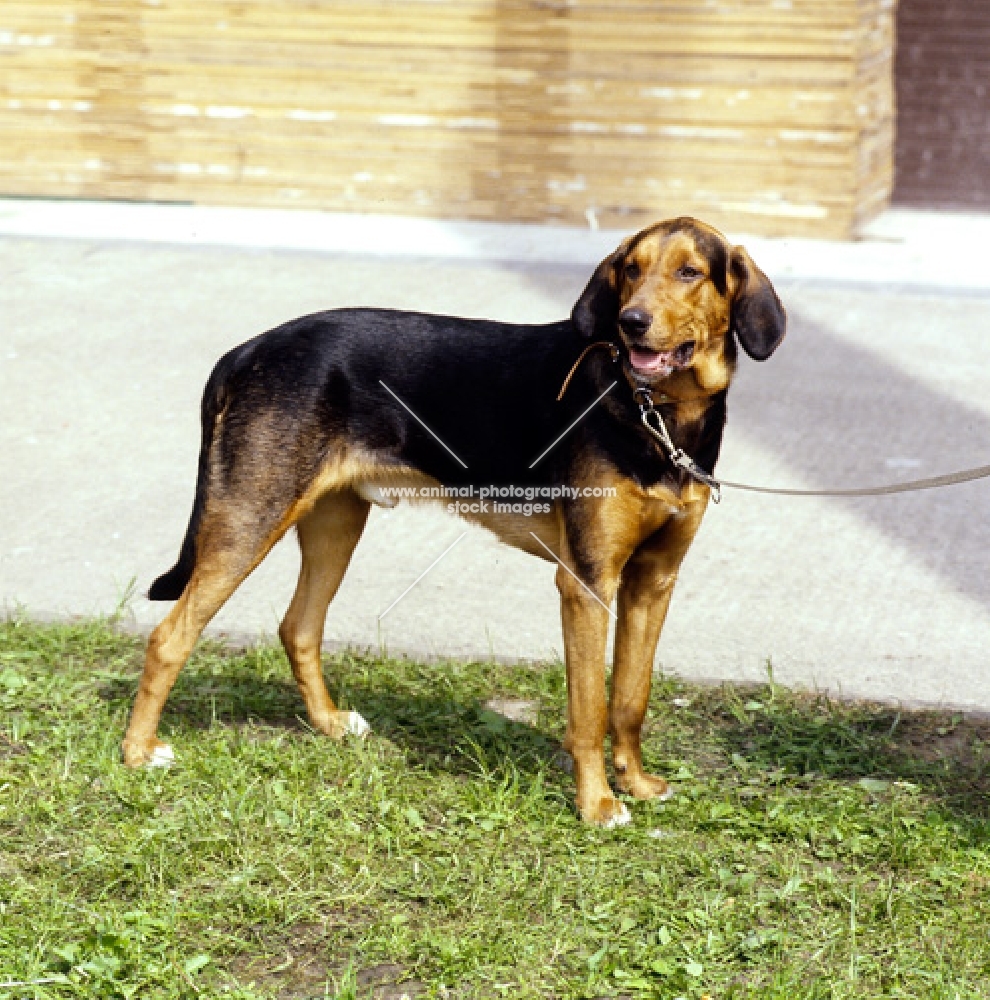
<point x="652" y="420"/>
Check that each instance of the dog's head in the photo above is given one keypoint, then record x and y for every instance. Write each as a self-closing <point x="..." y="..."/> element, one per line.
<point x="676" y="294"/>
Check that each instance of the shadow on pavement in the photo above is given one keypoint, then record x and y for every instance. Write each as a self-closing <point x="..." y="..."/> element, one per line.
<point x="840" y="417"/>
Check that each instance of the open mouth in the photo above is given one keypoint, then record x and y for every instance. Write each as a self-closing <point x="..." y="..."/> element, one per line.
<point x="662" y="363"/>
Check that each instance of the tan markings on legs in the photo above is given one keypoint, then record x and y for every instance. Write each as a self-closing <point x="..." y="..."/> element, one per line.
<point x="241" y="523"/>
<point x="227" y="552"/>
<point x="644" y="596"/>
<point x="327" y="537"/>
<point x="585" y="624"/>
<point x="169" y="646"/>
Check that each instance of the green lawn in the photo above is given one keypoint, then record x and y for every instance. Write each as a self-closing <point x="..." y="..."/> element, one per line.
<point x="814" y="849"/>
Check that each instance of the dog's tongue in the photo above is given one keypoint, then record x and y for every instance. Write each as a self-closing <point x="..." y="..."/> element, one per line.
<point x="652" y="361"/>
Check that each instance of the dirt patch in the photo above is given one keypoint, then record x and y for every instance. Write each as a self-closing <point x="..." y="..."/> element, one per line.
<point x="937" y="737"/>
<point x="384" y="982"/>
<point x="8" y="748"/>
<point x="297" y="965"/>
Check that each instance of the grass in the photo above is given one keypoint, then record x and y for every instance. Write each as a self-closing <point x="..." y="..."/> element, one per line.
<point x="814" y="849"/>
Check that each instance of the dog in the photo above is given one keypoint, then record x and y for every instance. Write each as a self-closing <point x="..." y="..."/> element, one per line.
<point x="308" y="424"/>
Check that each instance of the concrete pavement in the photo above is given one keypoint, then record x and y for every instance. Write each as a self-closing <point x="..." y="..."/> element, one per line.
<point x="112" y="316"/>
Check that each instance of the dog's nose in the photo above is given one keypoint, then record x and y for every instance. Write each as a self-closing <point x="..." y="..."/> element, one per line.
<point x="634" y="322"/>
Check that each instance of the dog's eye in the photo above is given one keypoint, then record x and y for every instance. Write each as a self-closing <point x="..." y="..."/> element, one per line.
<point x="632" y="270"/>
<point x="688" y="273"/>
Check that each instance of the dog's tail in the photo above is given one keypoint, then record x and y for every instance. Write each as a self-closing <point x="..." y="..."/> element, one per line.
<point x="169" y="586"/>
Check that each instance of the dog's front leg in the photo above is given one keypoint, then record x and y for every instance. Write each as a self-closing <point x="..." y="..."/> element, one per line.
<point x="647" y="585"/>
<point x="585" y="616"/>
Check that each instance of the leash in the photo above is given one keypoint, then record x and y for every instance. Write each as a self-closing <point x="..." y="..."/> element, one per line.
<point x="653" y="421"/>
<point x="577" y="364"/>
<point x="912" y="486"/>
<point x="682" y="460"/>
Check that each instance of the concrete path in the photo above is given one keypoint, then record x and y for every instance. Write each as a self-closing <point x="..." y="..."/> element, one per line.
<point x="105" y="344"/>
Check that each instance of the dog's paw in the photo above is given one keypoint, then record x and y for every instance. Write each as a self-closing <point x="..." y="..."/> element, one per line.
<point x="157" y="754"/>
<point x="645" y="786"/>
<point x="608" y="814"/>
<point x="621" y="817"/>
<point x="161" y="756"/>
<point x="356" y="724"/>
<point x="337" y="725"/>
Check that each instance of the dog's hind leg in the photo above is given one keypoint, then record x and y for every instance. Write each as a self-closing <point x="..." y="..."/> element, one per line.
<point x="327" y="536"/>
<point x="230" y="545"/>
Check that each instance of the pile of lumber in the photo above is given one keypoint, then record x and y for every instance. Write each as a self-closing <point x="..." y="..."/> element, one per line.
<point x="768" y="116"/>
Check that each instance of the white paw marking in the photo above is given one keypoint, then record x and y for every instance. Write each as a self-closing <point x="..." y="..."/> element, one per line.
<point x="619" y="819"/>
<point x="163" y="756"/>
<point x="357" y="724"/>
<point x="669" y="794"/>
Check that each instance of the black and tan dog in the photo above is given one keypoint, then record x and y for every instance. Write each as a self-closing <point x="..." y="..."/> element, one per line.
<point x="302" y="424"/>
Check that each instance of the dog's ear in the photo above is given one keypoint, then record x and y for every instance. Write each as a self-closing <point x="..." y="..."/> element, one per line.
<point x="597" y="311"/>
<point x="757" y="318"/>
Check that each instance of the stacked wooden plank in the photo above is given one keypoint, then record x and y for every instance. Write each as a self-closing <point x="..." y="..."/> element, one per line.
<point x="770" y="116"/>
